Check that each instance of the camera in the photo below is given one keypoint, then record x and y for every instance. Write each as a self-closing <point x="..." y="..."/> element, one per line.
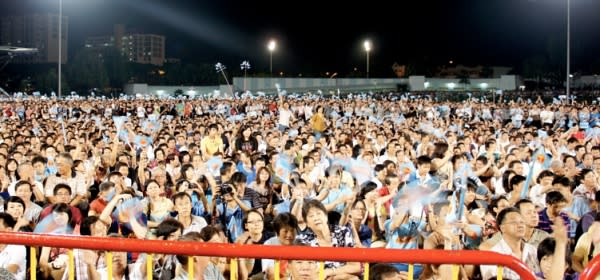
<point x="226" y="189"/>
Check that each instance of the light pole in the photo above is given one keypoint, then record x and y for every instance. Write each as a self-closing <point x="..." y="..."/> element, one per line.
<point x="367" y="45"/>
<point x="271" y="47"/>
<point x="568" y="51"/>
<point x="60" y="48"/>
<point x="245" y="66"/>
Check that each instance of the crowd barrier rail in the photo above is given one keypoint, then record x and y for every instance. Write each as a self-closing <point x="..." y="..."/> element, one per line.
<point x="591" y="270"/>
<point x="235" y="251"/>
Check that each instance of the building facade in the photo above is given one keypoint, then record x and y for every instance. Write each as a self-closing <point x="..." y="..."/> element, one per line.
<point x="136" y="47"/>
<point x="36" y="31"/>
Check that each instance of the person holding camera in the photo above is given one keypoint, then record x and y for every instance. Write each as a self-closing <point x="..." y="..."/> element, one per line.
<point x="230" y="212"/>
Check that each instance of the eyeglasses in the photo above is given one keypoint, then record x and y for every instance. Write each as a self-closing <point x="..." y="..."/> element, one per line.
<point x="518" y="223"/>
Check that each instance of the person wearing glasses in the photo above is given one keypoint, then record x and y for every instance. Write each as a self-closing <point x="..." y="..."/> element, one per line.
<point x="254" y="225"/>
<point x="512" y="227"/>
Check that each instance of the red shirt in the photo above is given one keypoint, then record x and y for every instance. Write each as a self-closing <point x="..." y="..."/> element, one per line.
<point x="74" y="211"/>
<point x="98" y="205"/>
<point x="383" y="192"/>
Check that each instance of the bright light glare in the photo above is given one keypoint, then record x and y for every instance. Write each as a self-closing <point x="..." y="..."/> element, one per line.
<point x="272" y="45"/>
<point x="367" y="45"/>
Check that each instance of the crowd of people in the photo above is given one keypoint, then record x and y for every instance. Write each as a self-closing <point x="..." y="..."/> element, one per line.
<point x="517" y="178"/>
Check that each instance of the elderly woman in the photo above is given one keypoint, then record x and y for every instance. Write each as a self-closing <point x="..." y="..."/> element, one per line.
<point x="320" y="233"/>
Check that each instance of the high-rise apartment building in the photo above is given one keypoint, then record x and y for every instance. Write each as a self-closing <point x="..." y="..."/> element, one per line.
<point x="136" y="47"/>
<point x="35" y="31"/>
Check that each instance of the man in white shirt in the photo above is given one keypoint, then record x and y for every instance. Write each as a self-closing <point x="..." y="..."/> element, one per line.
<point x="512" y="226"/>
<point x="285" y="115"/>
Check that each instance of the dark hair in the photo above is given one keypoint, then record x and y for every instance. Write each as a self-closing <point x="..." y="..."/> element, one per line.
<point x="181" y="195"/>
<point x="547" y="248"/>
<point x="515" y="180"/>
<point x="562" y="181"/>
<point x="494" y="204"/>
<point x="502" y="215"/>
<point x="238" y="178"/>
<point x="226" y="167"/>
<point x="521" y="202"/>
<point x="87" y="223"/>
<point x="22" y="183"/>
<point x="284" y="220"/>
<point x="545" y="173"/>
<point x="423" y="160"/>
<point x="313" y="203"/>
<point x="184" y="169"/>
<point x="245" y="220"/>
<point x="62" y="186"/>
<point x="555" y="197"/>
<point x="14" y="199"/>
<point x="366" y="188"/>
<point x="381" y="270"/>
<point x="168" y="226"/>
<point x="208" y="232"/>
<point x="7" y="220"/>
<point x="505" y="180"/>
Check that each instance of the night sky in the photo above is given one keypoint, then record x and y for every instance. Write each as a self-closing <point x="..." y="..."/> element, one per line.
<point x="319" y="36"/>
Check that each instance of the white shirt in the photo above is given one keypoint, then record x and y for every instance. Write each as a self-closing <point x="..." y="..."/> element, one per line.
<point x="284" y="117"/>
<point x="12" y="192"/>
<point x="529" y="252"/>
<point x="14" y="254"/>
<point x="547" y="116"/>
<point x="198" y="223"/>
<point x="537" y="197"/>
<point x="77" y="184"/>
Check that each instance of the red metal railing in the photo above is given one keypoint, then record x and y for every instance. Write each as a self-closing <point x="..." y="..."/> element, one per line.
<point x="271" y="252"/>
<point x="591" y="270"/>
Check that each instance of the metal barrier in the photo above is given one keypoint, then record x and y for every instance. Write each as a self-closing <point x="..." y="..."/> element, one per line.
<point x="592" y="269"/>
<point x="264" y="252"/>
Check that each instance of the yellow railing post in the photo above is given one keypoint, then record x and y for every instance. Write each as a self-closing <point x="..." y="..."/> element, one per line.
<point x="149" y="266"/>
<point x="33" y="261"/>
<point x="411" y="271"/>
<point x="233" y="269"/>
<point x="71" y="265"/>
<point x="366" y="272"/>
<point x="109" y="265"/>
<point x="190" y="266"/>
<point x="321" y="270"/>
<point x="277" y="268"/>
<point x="499" y="273"/>
<point x="455" y="271"/>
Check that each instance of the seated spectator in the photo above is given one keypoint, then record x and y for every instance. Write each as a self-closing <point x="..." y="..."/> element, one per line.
<point x="286" y="227"/>
<point x="12" y="257"/>
<point x="62" y="194"/>
<point x="555" y="203"/>
<point x="320" y="233"/>
<point x="512" y="228"/>
<point x="383" y="271"/>
<point x="106" y="192"/>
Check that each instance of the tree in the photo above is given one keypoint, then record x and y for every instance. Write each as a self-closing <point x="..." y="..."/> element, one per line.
<point x="47" y="82"/>
<point x="87" y="71"/>
<point x="536" y="67"/>
<point x="117" y="67"/>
